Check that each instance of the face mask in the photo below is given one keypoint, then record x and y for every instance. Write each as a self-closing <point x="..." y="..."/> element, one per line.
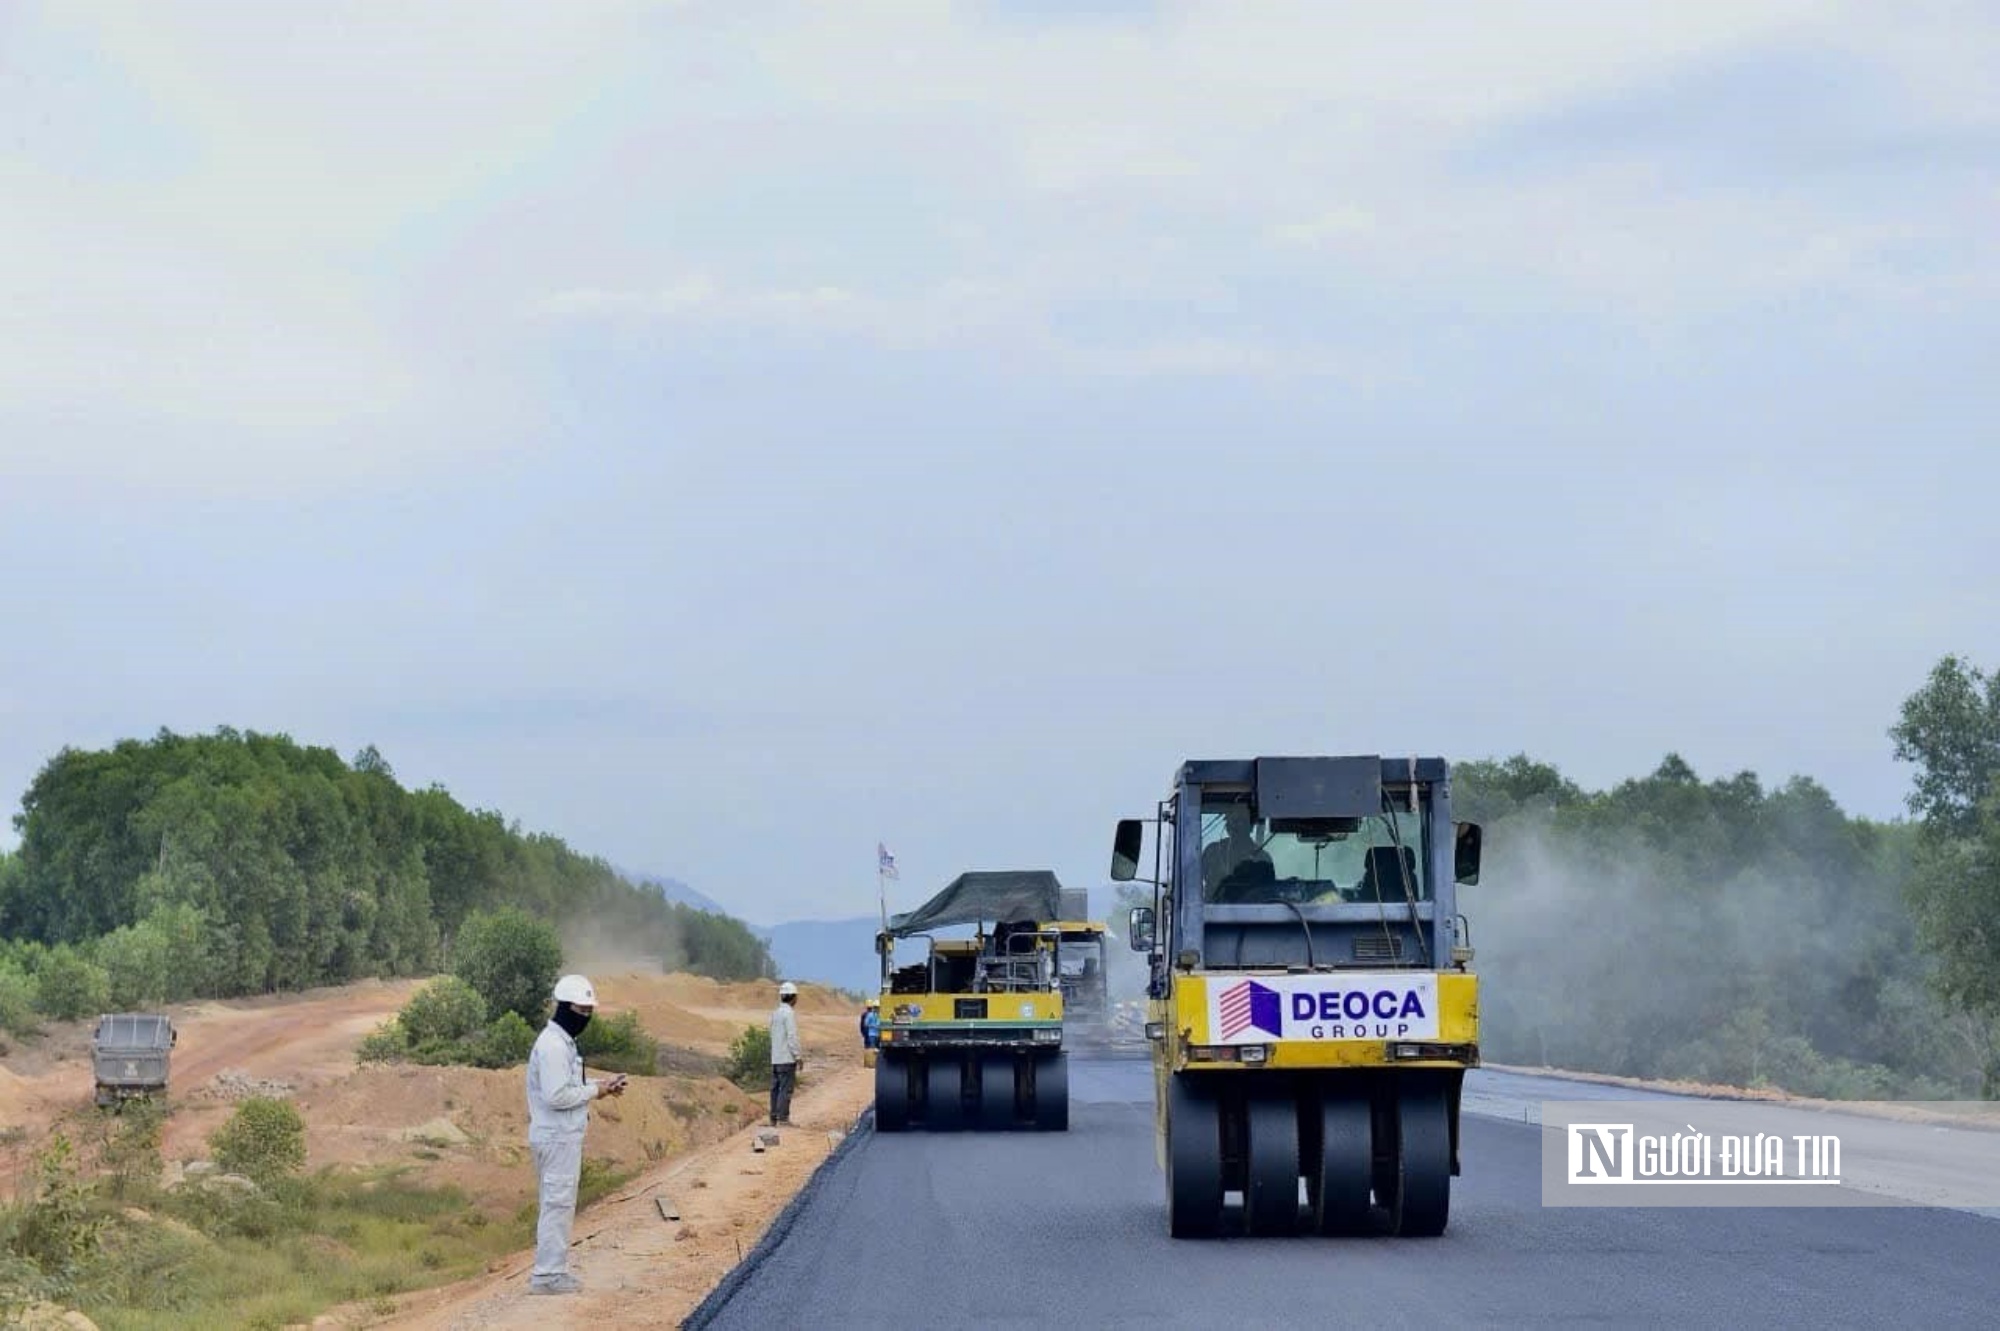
<point x="571" y="1021"/>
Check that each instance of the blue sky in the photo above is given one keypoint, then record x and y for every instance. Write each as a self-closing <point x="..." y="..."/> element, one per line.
<point x="728" y="435"/>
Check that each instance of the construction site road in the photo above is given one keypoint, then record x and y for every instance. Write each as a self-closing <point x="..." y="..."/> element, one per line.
<point x="1069" y="1229"/>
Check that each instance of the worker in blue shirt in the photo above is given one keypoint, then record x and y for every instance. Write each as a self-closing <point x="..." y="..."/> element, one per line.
<point x="871" y="1024"/>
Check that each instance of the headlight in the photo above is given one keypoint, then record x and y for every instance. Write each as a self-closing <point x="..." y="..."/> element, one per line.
<point x="1229" y="1053"/>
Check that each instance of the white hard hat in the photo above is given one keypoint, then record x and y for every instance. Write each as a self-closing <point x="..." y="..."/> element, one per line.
<point x="787" y="990"/>
<point x="575" y="989"/>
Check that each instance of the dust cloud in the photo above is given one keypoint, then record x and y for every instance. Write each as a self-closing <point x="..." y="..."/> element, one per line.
<point x="1126" y="971"/>
<point x="1612" y="956"/>
<point x="593" y="946"/>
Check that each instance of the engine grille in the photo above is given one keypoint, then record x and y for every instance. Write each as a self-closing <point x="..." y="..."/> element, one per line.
<point x="1374" y="947"/>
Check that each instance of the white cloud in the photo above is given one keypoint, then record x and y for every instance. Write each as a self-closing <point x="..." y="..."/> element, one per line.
<point x="326" y="131"/>
<point x="704" y="298"/>
<point x="959" y="312"/>
<point x="197" y="285"/>
<point x="1619" y="237"/>
<point x="151" y="334"/>
<point x="1325" y="141"/>
<point x="323" y="254"/>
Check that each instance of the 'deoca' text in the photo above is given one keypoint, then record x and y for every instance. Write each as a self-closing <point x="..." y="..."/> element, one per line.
<point x="1334" y="1015"/>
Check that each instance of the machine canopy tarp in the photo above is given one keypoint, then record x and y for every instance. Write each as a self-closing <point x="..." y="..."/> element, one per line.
<point x="1015" y="894"/>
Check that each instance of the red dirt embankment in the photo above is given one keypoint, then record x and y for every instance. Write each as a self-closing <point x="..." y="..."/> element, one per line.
<point x="687" y="1131"/>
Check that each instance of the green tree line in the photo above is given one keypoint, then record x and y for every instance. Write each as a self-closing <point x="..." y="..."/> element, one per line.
<point x="1725" y="931"/>
<point x="238" y="863"/>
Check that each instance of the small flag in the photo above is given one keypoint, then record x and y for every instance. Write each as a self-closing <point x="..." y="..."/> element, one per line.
<point x="885" y="863"/>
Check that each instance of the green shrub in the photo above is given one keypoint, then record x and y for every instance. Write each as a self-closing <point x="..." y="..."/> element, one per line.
<point x="619" y="1044"/>
<point x="59" y="1229"/>
<point x="129" y="1152"/>
<point x="70" y="987"/>
<point x="265" y="1139"/>
<point x="512" y="959"/>
<point x="506" y="1042"/>
<point x="17" y="1002"/>
<point x="387" y="1043"/>
<point x="749" y="1063"/>
<point x="443" y="1024"/>
<point x="444" y="1011"/>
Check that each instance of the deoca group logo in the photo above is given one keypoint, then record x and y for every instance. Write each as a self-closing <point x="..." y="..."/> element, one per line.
<point x="1247" y="1006"/>
<point x="1324" y="1007"/>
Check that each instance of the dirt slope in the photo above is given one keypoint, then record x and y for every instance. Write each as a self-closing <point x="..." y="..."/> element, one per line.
<point x="303" y="1042"/>
<point x="639" y="1268"/>
<point x="688" y="1130"/>
<point x="303" y="1045"/>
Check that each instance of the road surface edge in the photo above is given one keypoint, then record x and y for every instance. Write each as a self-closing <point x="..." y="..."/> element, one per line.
<point x="711" y="1307"/>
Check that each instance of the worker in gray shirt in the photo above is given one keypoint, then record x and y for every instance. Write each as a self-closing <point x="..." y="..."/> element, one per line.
<point x="559" y="1099"/>
<point x="787" y="1055"/>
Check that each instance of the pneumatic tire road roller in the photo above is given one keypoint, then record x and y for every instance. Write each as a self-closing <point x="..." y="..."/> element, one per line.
<point x="972" y="1035"/>
<point x="1313" y="1012"/>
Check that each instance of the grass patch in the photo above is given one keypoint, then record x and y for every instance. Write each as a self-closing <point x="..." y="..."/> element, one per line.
<point x="598" y="1181"/>
<point x="286" y="1254"/>
<point x="207" y="1256"/>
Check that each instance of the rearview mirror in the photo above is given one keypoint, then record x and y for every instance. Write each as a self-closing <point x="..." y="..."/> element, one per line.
<point x="1465" y="852"/>
<point x="1125" y="850"/>
<point x="1139" y="928"/>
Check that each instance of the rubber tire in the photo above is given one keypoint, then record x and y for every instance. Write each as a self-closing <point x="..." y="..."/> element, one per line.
<point x="1271" y="1166"/>
<point x="1422" y="1204"/>
<point x="892" y="1094"/>
<point x="1194" y="1159"/>
<point x="996" y="1092"/>
<point x="1339" y="1192"/>
<point x="944" y="1110"/>
<point x="1051" y="1103"/>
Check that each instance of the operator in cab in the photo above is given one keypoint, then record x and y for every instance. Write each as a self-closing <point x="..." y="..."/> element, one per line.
<point x="1237" y="856"/>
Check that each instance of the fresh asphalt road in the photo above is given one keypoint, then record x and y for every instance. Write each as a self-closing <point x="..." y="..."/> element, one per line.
<point x="1069" y="1230"/>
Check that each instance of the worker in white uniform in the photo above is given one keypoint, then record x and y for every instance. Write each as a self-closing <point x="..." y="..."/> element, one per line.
<point x="559" y="1097"/>
<point x="786" y="1054"/>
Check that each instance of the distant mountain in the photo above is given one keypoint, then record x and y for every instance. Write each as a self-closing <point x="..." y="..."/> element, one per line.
<point x="836" y="952"/>
<point x="673" y="889"/>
